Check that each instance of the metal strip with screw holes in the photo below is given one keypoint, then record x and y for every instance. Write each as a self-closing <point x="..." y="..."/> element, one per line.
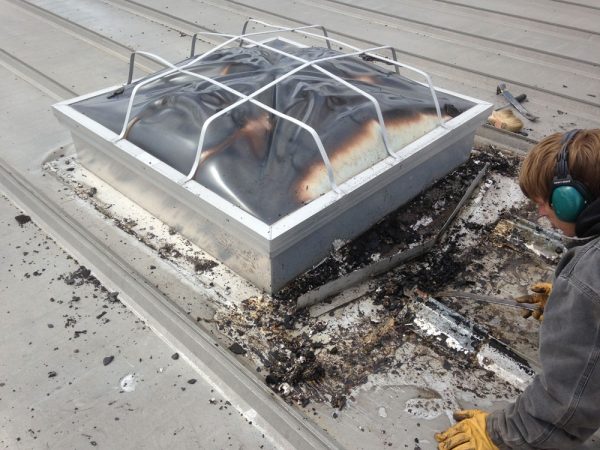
<point x="280" y="422"/>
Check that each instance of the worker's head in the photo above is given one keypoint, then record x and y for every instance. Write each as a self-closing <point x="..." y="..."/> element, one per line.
<point x="561" y="174"/>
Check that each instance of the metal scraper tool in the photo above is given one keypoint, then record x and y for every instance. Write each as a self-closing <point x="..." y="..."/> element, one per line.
<point x="501" y="89"/>
<point x="488" y="299"/>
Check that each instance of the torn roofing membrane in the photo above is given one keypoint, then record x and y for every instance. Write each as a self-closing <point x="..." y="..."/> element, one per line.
<point x="263" y="163"/>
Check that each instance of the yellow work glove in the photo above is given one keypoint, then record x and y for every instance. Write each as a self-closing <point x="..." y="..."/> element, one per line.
<point x="541" y="292"/>
<point x="468" y="434"/>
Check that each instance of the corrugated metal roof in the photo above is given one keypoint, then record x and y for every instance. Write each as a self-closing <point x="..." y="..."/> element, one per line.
<point x="54" y="49"/>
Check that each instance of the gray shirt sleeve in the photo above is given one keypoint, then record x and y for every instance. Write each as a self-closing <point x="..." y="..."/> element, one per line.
<point x="561" y="407"/>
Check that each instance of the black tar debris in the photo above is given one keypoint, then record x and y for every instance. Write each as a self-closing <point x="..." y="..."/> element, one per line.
<point x="22" y="219"/>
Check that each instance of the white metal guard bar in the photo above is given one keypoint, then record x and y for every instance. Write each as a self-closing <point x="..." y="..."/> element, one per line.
<point x="156" y="77"/>
<point x="195" y="36"/>
<point x="160" y="75"/>
<point x="250" y="98"/>
<point x="287" y="75"/>
<point x="325" y="34"/>
<point x="375" y="56"/>
<point x="297" y="28"/>
<point x="308" y="128"/>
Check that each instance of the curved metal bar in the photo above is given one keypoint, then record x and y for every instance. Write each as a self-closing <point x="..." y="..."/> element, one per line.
<point x="326" y="36"/>
<point x="156" y="77"/>
<point x="212" y="33"/>
<point x="235" y="38"/>
<point x="382" y="126"/>
<point x="308" y="128"/>
<point x="138" y="86"/>
<point x="131" y="64"/>
<point x="393" y="62"/>
<point x="232" y="38"/>
<point x="397" y="64"/>
<point x="285" y="28"/>
<point x="314" y="63"/>
<point x="250" y="98"/>
<point x="395" y="58"/>
<point x="305" y="64"/>
<point x="193" y="49"/>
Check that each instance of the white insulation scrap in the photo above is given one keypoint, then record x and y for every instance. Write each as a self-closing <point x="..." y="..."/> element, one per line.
<point x="128" y="382"/>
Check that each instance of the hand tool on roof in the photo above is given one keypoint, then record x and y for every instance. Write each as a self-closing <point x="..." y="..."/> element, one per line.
<point x="501" y="89"/>
<point x="520" y="98"/>
<point x="488" y="299"/>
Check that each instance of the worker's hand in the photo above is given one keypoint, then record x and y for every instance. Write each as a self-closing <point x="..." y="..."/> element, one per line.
<point x="541" y="292"/>
<point x="468" y="434"/>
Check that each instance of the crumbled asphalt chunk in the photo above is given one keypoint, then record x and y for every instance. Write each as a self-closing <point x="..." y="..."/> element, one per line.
<point x="51" y="374"/>
<point x="78" y="277"/>
<point x="203" y="265"/>
<point x="107" y="360"/>
<point x="339" y="401"/>
<point x="272" y="379"/>
<point x="175" y="356"/>
<point x="192" y="381"/>
<point x="22" y="219"/>
<point x="237" y="349"/>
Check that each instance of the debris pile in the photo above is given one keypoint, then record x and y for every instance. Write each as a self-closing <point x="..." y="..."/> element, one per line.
<point x="326" y="358"/>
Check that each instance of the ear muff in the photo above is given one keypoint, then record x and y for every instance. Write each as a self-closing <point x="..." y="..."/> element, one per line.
<point x="568" y="197"/>
<point x="567" y="203"/>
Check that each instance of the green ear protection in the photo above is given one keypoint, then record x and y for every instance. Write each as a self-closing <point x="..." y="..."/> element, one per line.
<point x="568" y="197"/>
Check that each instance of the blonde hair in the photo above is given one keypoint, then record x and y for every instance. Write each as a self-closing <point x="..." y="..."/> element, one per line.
<point x="538" y="169"/>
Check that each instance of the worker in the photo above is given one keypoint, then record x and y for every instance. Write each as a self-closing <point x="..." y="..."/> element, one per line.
<point x="560" y="409"/>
